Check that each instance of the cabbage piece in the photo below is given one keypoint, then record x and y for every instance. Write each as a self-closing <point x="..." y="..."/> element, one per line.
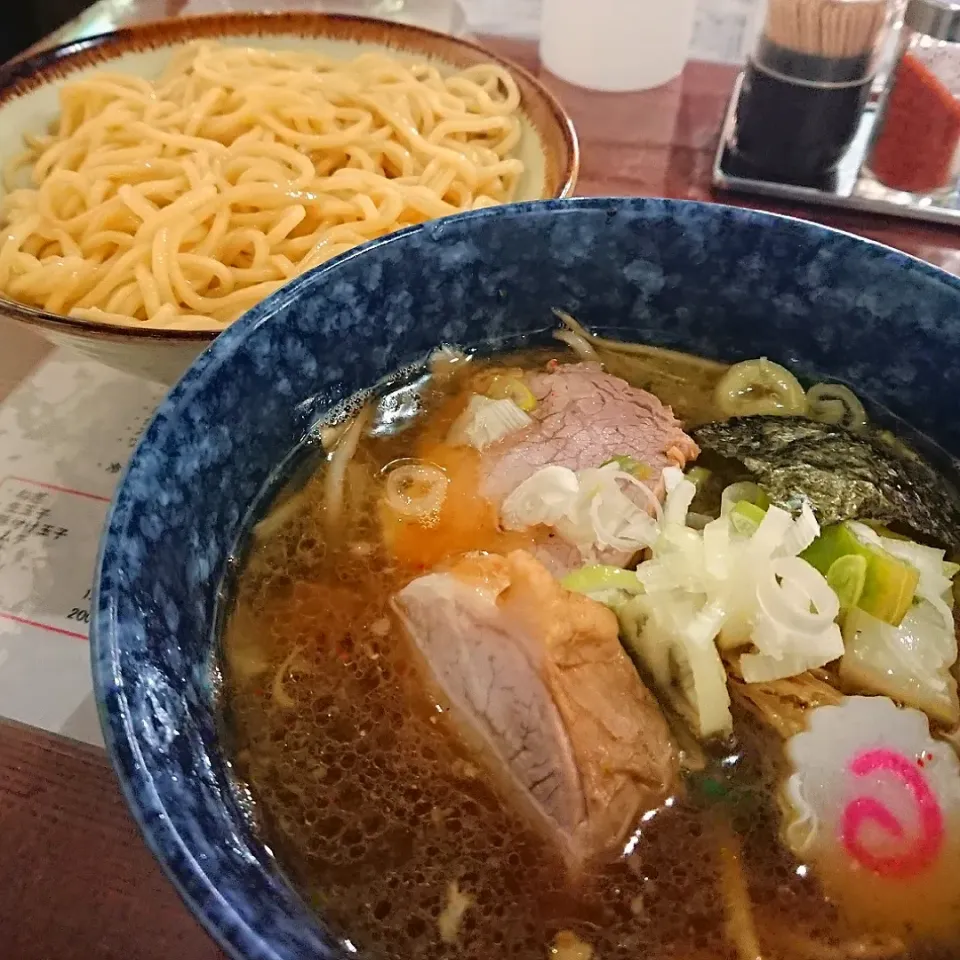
<point x="934" y="572"/>
<point x="911" y="663"/>
<point x="485" y="421"/>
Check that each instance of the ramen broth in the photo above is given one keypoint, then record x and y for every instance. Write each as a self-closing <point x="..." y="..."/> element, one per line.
<point x="382" y="814"/>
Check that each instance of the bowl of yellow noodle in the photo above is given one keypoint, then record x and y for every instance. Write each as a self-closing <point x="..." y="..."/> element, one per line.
<point x="160" y="181"/>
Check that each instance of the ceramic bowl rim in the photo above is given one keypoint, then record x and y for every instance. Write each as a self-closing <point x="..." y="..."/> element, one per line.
<point x="54" y="64"/>
<point x="120" y="737"/>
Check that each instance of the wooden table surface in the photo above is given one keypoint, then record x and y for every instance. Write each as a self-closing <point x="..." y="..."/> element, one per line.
<point x="79" y="882"/>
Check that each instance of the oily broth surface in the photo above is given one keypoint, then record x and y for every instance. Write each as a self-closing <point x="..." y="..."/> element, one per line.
<point x="374" y="806"/>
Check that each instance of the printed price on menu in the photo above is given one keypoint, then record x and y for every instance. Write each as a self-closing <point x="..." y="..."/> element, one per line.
<point x="45" y="557"/>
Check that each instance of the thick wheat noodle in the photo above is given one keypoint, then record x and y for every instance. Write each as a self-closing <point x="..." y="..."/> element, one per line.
<point x="182" y="203"/>
<point x="740" y="923"/>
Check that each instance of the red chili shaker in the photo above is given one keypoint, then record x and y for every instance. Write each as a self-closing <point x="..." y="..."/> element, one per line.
<point x="916" y="143"/>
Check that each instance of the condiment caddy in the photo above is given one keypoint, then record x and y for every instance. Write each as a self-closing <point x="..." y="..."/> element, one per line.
<point x="811" y="121"/>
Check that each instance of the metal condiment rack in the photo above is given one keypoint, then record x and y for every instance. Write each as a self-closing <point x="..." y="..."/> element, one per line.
<point x="852" y="189"/>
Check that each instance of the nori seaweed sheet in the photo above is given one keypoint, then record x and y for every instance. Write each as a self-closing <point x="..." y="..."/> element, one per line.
<point x="843" y="475"/>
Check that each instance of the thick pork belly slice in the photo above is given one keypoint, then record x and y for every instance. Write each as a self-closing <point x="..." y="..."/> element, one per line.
<point x="583" y="418"/>
<point x="538" y="675"/>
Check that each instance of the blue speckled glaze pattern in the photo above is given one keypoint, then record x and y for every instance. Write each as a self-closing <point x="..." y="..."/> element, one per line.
<point x="713" y="280"/>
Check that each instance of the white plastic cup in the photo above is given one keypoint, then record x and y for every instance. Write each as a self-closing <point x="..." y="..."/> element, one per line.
<point x="616" y="45"/>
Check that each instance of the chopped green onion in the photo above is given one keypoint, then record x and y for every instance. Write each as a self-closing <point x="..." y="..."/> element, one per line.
<point x="713" y="789"/>
<point x="847" y="577"/>
<point x="600" y="577"/>
<point x="629" y="465"/>
<point x="889" y="583"/>
<point x="746" y="517"/>
<point x="699" y="476"/>
<point x="743" y="492"/>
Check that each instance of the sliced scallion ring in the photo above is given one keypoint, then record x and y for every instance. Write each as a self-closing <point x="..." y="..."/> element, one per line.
<point x="837" y="405"/>
<point x="760" y="387"/>
<point x="416" y="490"/>
<point x="847" y="577"/>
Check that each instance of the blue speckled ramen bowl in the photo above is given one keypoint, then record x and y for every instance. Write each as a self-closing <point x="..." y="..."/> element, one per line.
<point x="712" y="280"/>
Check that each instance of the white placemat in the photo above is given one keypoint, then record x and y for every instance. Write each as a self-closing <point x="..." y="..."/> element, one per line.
<point x="65" y="435"/>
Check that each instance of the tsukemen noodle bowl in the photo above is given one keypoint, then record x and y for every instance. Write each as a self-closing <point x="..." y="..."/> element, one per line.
<point x="584" y="590"/>
<point x="160" y="181"/>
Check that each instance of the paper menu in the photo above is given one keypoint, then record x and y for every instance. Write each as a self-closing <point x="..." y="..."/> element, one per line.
<point x="65" y="435"/>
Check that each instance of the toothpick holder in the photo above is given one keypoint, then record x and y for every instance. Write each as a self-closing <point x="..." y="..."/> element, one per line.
<point x="805" y="87"/>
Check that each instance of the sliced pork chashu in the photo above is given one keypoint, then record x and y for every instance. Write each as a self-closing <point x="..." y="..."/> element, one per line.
<point x="538" y="674"/>
<point x="582" y="419"/>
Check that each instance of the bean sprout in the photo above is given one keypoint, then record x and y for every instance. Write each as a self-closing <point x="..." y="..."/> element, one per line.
<point x="741" y="926"/>
<point x="279" y="517"/>
<point x="625" y="348"/>
<point x="333" y="484"/>
<point x="579" y="344"/>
